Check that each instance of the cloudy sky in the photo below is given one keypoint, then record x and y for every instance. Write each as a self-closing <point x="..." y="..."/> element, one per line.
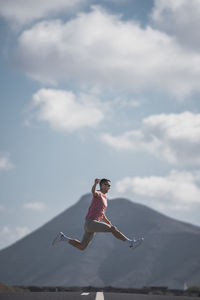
<point x="98" y="89"/>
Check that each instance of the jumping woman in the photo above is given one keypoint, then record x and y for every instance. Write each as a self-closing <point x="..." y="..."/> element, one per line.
<point x="96" y="220"/>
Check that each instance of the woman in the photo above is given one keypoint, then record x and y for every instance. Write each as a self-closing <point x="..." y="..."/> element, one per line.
<point x="96" y="220"/>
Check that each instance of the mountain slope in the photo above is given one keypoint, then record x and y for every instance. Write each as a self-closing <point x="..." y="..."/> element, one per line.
<point x="168" y="257"/>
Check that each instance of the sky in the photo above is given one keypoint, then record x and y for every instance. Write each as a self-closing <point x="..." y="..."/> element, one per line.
<point x="98" y="89"/>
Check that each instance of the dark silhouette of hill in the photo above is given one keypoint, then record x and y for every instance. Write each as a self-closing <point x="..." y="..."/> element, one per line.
<point x="169" y="256"/>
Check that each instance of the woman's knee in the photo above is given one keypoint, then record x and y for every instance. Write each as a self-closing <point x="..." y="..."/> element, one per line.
<point x="83" y="246"/>
<point x="111" y="229"/>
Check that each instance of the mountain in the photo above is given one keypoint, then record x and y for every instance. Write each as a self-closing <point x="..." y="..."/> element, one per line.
<point x="169" y="256"/>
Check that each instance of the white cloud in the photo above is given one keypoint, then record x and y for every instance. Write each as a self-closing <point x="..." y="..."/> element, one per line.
<point x="10" y="235"/>
<point x="173" y="137"/>
<point x="35" y="206"/>
<point x="23" y="12"/>
<point x="180" y="18"/>
<point x="5" y="162"/>
<point x="65" y="111"/>
<point x="177" y="191"/>
<point x="99" y="49"/>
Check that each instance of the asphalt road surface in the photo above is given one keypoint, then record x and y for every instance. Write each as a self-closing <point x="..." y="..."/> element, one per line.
<point x="86" y="296"/>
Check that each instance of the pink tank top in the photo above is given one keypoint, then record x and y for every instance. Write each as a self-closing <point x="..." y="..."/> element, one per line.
<point x="97" y="207"/>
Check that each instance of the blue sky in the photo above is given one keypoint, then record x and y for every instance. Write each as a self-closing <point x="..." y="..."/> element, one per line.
<point x="98" y="89"/>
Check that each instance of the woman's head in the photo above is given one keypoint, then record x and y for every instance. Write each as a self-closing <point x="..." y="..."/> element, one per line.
<point x="105" y="185"/>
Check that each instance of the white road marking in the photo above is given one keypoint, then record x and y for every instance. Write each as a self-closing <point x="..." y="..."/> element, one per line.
<point x="99" y="296"/>
<point x="85" y="294"/>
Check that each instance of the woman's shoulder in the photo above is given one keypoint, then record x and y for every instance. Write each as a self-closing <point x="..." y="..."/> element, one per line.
<point x="99" y="194"/>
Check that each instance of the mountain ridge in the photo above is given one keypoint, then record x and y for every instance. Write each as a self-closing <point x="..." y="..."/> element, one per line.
<point x="165" y="258"/>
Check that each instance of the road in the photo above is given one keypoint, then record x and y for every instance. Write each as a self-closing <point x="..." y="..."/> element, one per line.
<point x="87" y="296"/>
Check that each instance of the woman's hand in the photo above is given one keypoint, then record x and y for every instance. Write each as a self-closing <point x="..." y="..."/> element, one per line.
<point x="97" y="181"/>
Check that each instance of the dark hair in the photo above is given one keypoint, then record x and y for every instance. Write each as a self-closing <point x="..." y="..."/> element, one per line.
<point x="103" y="181"/>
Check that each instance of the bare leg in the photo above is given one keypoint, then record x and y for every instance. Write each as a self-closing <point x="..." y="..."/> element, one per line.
<point x="83" y="244"/>
<point x="79" y="245"/>
<point x="118" y="234"/>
